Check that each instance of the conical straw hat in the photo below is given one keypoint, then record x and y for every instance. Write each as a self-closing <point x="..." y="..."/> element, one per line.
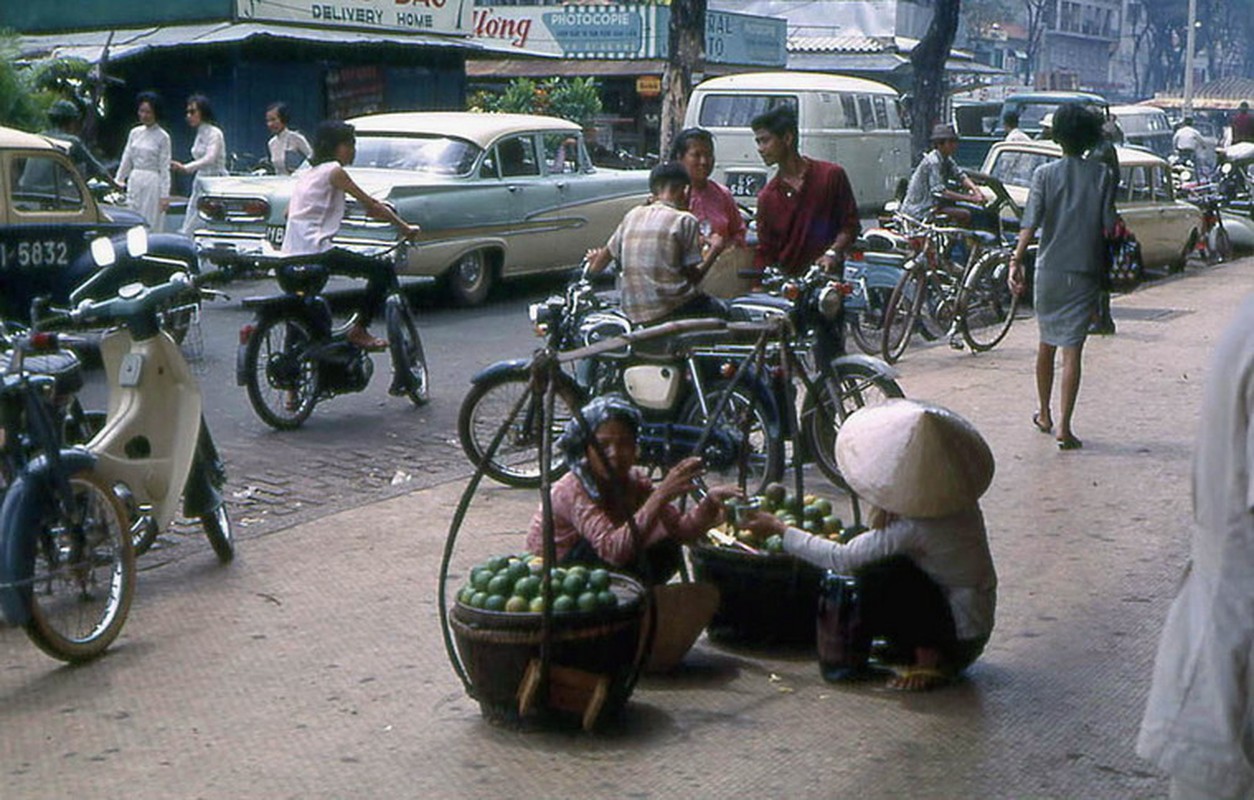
<point x="914" y="459"/>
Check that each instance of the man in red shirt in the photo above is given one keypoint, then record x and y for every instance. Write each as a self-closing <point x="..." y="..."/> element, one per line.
<point x="807" y="213"/>
<point x="1243" y="124"/>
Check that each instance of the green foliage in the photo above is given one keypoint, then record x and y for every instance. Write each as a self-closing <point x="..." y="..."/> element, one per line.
<point x="575" y="99"/>
<point x="20" y="104"/>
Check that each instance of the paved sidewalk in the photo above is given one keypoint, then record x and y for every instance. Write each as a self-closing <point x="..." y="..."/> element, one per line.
<point x="313" y="667"/>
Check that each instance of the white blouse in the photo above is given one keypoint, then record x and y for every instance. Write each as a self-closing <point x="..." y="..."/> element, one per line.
<point x="147" y="150"/>
<point x="208" y="151"/>
<point x="314" y="213"/>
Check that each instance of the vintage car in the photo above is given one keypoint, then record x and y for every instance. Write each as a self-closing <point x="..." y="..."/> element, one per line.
<point x="496" y="196"/>
<point x="48" y="219"/>
<point x="1163" y="225"/>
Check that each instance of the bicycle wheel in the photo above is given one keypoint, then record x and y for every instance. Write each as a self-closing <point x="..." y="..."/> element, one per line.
<point x="282" y="384"/>
<point x="851" y="387"/>
<point x="221" y="535"/>
<point x="408" y="360"/>
<point x="986" y="306"/>
<point x="902" y="312"/>
<point x="743" y="418"/>
<point x="867" y="325"/>
<point x="84" y="578"/>
<point x="1220" y="246"/>
<point x="517" y="459"/>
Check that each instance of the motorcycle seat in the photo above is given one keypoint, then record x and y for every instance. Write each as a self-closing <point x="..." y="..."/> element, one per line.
<point x="301" y="278"/>
<point x="62" y="365"/>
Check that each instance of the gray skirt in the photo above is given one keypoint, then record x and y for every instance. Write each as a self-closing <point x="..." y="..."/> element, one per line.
<point x="1065" y="303"/>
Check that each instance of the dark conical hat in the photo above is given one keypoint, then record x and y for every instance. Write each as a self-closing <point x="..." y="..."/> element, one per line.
<point x="914" y="459"/>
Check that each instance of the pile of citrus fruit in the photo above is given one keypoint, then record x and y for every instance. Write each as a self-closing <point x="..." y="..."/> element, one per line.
<point x="809" y="513"/>
<point x="515" y="584"/>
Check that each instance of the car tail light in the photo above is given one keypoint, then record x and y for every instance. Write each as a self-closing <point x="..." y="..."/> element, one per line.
<point x="211" y="209"/>
<point x="255" y="208"/>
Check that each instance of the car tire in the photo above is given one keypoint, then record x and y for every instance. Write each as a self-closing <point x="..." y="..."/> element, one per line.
<point x="470" y="278"/>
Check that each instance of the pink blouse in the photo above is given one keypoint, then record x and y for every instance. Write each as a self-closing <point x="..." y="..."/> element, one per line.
<point x="714" y="204"/>
<point x="577" y="516"/>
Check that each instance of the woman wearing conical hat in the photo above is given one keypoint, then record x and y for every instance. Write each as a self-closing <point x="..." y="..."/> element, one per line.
<point x="924" y="572"/>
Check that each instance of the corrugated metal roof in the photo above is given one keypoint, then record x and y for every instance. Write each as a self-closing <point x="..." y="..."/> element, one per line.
<point x="129" y="43"/>
<point x="802" y="43"/>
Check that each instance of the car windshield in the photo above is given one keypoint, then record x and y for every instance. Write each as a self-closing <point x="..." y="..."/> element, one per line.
<point x="437" y="154"/>
<point x="736" y="110"/>
<point x="1015" y="168"/>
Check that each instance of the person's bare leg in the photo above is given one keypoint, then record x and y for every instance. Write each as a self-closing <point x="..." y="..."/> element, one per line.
<point x="924" y="674"/>
<point x="1044" y="384"/>
<point x="1070" y="389"/>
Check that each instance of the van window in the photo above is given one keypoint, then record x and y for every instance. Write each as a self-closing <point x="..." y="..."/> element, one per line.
<point x="881" y="112"/>
<point x="42" y="183"/>
<point x="865" y="113"/>
<point x="738" y="110"/>
<point x="1134" y="185"/>
<point x="850" y="105"/>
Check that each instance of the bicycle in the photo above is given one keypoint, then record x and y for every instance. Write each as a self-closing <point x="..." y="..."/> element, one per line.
<point x="1210" y="242"/>
<point x="969" y="303"/>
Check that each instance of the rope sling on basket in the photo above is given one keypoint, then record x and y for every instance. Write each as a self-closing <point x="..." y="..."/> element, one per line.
<point x="526" y="669"/>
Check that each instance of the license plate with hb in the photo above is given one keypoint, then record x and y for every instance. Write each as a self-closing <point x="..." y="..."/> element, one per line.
<point x="274" y="235"/>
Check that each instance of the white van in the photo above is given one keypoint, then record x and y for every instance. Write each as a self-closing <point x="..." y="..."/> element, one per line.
<point x="853" y="122"/>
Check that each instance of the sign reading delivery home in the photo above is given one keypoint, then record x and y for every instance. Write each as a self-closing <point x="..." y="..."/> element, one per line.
<point x="393" y="16"/>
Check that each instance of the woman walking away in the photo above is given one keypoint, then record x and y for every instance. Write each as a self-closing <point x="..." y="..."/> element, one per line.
<point x="288" y="148"/>
<point x="145" y="166"/>
<point x="208" y="154"/>
<point x="924" y="574"/>
<point x="713" y="205"/>
<point x="316" y="211"/>
<point x="1071" y="205"/>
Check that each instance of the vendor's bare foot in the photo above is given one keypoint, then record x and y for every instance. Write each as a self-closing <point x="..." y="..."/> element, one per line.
<point x="360" y="337"/>
<point x="923" y="675"/>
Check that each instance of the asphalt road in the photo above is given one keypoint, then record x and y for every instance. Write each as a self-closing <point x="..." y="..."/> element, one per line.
<point x="355" y="448"/>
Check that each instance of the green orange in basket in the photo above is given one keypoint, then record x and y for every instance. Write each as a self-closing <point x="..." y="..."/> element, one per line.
<point x="599" y="580"/>
<point x="517" y="605"/>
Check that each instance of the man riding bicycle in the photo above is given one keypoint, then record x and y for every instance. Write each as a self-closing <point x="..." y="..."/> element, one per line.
<point x="934" y="186"/>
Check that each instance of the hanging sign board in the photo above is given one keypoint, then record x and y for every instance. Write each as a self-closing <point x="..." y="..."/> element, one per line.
<point x="393" y="16"/>
<point x="648" y="85"/>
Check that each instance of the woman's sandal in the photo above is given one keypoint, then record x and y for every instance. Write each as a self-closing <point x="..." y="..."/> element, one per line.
<point x="918" y="679"/>
<point x="1036" y="423"/>
<point x="1069" y="443"/>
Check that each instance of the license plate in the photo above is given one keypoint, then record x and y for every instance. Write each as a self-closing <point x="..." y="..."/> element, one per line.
<point x="274" y="235"/>
<point x="745" y="184"/>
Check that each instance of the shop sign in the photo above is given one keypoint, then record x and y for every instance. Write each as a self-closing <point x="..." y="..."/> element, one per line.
<point x="393" y="16"/>
<point x="625" y="31"/>
<point x="648" y="86"/>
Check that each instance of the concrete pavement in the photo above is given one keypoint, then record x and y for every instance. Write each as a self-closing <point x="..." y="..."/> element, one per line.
<point x="313" y="666"/>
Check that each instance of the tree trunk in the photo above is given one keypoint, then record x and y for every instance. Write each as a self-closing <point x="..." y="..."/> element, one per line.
<point x="686" y="54"/>
<point x="927" y="61"/>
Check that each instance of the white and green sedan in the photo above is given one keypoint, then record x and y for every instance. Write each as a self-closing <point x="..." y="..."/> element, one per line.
<point x="1162" y="223"/>
<point x="496" y="196"/>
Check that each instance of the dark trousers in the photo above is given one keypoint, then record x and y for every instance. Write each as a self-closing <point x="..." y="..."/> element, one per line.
<point x="703" y="305"/>
<point x="900" y="603"/>
<point x="379" y="275"/>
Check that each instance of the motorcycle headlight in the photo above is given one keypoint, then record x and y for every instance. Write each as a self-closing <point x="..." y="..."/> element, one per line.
<point x="831" y="299"/>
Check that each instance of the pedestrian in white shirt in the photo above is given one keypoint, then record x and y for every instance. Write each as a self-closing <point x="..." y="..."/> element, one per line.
<point x="288" y="148"/>
<point x="1199" y="718"/>
<point x="924" y="571"/>
<point x="1013" y="132"/>
<point x="145" y="166"/>
<point x="208" y="155"/>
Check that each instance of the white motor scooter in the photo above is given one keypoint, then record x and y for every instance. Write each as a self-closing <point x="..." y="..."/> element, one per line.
<point x="154" y="446"/>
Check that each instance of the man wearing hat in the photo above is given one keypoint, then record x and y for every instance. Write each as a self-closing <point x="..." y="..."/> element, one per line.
<point x="934" y="181"/>
<point x="924" y="572"/>
<point x="64" y="117"/>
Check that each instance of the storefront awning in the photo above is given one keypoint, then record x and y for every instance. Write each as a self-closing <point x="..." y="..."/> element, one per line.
<point x="128" y="43"/>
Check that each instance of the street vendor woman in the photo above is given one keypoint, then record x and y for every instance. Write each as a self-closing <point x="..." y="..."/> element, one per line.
<point x="924" y="572"/>
<point x="593" y="503"/>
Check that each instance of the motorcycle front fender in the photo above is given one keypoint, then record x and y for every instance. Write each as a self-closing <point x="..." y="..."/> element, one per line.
<point x="878" y="366"/>
<point x="201" y="495"/>
<point x="25" y="504"/>
<point x="510" y="366"/>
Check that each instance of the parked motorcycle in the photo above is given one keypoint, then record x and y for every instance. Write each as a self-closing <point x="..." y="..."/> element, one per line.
<point x="674" y="372"/>
<point x="835" y="383"/>
<point x="71" y="516"/>
<point x="292" y="356"/>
